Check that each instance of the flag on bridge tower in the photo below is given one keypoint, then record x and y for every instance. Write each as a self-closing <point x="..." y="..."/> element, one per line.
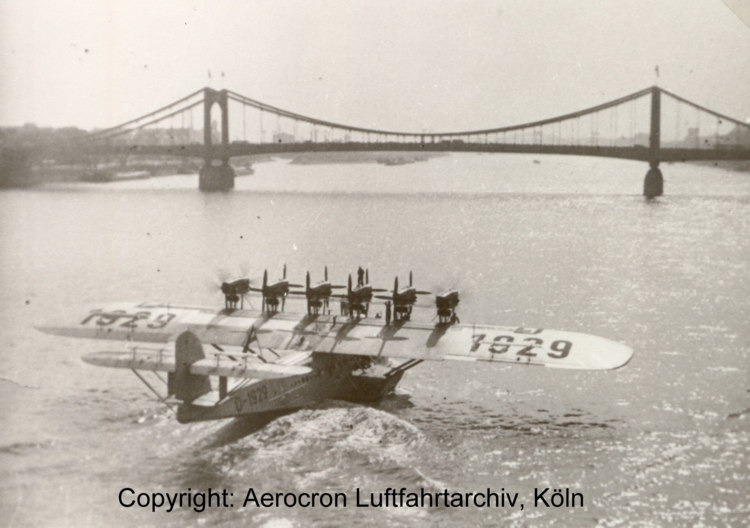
<point x="656" y="70"/>
<point x="209" y="74"/>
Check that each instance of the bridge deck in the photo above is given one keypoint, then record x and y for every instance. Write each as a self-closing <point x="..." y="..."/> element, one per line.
<point x="247" y="149"/>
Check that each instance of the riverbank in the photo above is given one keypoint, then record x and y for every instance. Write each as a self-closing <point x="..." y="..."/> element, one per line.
<point x="728" y="165"/>
<point x="385" y="158"/>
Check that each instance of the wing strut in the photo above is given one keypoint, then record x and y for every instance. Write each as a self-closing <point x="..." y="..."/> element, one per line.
<point x="252" y="335"/>
<point x="161" y="399"/>
<point x="403" y="367"/>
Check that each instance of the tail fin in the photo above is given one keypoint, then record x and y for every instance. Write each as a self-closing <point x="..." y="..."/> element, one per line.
<point x="184" y="385"/>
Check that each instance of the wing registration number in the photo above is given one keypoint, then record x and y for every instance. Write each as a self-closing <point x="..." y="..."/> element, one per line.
<point x="528" y="347"/>
<point x="123" y="319"/>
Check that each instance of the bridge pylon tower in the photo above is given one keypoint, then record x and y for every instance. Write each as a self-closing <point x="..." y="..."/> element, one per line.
<point x="653" y="185"/>
<point x="216" y="174"/>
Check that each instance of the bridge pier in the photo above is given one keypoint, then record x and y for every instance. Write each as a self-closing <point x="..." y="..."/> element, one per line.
<point x="653" y="185"/>
<point x="216" y="178"/>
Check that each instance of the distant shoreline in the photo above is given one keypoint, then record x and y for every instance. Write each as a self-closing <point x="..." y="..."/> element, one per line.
<point x="728" y="165"/>
<point x="385" y="158"/>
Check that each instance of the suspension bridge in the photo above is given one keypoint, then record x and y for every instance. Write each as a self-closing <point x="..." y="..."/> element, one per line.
<point x="651" y="125"/>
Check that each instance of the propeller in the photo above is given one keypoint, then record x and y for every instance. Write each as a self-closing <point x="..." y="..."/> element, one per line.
<point x="234" y="288"/>
<point x="367" y="282"/>
<point x="320" y="292"/>
<point x="395" y="293"/>
<point x="453" y="284"/>
<point x="283" y="277"/>
<point x="220" y="277"/>
<point x="277" y="290"/>
<point x="306" y="291"/>
<point x="262" y="290"/>
<point x="349" y="290"/>
<point x="418" y="292"/>
<point x="333" y="286"/>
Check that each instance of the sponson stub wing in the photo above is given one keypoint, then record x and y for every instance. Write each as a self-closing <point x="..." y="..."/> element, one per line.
<point x="229" y="364"/>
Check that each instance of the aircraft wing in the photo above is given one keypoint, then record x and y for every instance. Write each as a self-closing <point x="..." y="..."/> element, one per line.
<point x="518" y="346"/>
<point x="542" y="347"/>
<point x="159" y="323"/>
<point x="286" y="333"/>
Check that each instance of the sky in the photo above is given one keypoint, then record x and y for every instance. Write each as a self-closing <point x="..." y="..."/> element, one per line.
<point x="408" y="65"/>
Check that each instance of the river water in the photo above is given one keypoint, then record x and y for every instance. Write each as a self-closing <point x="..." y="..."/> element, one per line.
<point x="561" y="242"/>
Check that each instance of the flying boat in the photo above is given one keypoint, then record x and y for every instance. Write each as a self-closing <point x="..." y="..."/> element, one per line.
<point x="263" y="364"/>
